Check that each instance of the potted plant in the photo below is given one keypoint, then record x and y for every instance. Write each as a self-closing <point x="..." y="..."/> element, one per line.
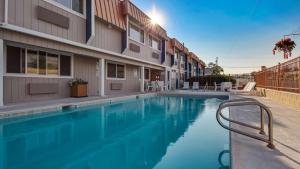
<point x="78" y="88"/>
<point x="285" y="45"/>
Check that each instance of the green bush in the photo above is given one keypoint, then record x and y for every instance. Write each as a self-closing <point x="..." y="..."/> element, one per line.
<point x="211" y="79"/>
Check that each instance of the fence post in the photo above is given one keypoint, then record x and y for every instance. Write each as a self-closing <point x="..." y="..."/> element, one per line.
<point x="299" y="74"/>
<point x="278" y="76"/>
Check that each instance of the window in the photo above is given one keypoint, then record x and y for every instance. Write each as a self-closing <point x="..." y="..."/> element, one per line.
<point x="65" y="65"/>
<point x="147" y="74"/>
<point x="136" y="33"/>
<point x="42" y="63"/>
<point x="52" y="64"/>
<point x="75" y="5"/>
<point x="34" y="62"/>
<point x="154" y="43"/>
<point x="15" y="59"/>
<point x="115" y="71"/>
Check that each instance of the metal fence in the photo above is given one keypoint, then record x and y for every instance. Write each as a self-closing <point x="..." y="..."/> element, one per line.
<point x="284" y="77"/>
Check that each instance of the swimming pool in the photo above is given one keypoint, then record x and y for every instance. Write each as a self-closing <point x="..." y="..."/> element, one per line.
<point x="148" y="133"/>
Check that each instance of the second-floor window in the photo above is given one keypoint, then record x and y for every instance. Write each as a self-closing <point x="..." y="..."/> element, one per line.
<point x="154" y="43"/>
<point x="75" y="5"/>
<point x="136" y="33"/>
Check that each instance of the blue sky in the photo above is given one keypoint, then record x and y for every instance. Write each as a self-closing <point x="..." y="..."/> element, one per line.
<point x="241" y="33"/>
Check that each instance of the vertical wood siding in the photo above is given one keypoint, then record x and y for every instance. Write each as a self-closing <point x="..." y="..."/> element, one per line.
<point x="131" y="84"/>
<point x="107" y="38"/>
<point x="23" y="13"/>
<point x="85" y="68"/>
<point x="145" y="52"/>
<point x="1" y="10"/>
<point x="16" y="88"/>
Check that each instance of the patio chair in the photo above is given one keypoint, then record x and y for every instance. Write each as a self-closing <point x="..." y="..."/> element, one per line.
<point x="161" y="86"/>
<point x="236" y="86"/>
<point x="150" y="85"/>
<point x="186" y="86"/>
<point x="195" y="86"/>
<point x="217" y="86"/>
<point x="247" y="89"/>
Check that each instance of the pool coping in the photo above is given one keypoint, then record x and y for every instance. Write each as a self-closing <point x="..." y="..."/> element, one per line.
<point x="60" y="106"/>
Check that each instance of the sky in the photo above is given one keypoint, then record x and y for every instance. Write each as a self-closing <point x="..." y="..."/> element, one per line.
<point x="241" y="33"/>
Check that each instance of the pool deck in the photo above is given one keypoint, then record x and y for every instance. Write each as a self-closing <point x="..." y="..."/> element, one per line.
<point x="248" y="153"/>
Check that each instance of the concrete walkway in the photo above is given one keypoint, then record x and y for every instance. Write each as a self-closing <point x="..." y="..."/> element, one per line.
<point x="248" y="153"/>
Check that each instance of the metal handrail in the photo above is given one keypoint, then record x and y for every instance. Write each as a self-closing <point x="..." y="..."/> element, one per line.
<point x="246" y="102"/>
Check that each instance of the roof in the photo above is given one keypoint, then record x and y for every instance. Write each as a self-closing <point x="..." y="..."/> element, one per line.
<point x="110" y="11"/>
<point x="135" y="13"/>
<point x="179" y="46"/>
<point x="195" y="57"/>
<point x="170" y="47"/>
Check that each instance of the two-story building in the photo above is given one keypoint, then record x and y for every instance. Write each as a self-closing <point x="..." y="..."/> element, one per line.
<point x="111" y="44"/>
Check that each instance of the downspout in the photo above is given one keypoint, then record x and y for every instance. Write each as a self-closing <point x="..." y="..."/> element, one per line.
<point x="5" y="13"/>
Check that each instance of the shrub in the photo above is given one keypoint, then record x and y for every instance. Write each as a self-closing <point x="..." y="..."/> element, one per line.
<point x="211" y="79"/>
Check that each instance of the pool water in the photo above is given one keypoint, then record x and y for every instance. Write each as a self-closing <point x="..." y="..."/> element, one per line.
<point x="146" y="133"/>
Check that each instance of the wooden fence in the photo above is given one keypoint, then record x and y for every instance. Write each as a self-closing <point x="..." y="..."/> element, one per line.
<point x="284" y="77"/>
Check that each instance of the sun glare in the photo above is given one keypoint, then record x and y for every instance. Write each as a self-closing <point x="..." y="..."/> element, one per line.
<point x="156" y="16"/>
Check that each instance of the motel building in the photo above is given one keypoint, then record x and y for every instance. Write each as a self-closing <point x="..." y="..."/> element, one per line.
<point x="111" y="44"/>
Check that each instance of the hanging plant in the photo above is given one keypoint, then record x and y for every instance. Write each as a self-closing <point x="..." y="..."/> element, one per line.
<point x="286" y="46"/>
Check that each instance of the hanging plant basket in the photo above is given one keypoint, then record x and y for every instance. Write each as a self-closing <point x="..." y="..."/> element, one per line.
<point x="286" y="46"/>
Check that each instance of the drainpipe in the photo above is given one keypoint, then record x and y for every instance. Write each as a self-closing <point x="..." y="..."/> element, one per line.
<point x="1" y="72"/>
<point x="5" y="12"/>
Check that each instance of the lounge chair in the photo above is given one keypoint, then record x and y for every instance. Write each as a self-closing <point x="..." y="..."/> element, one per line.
<point x="247" y="89"/>
<point x="186" y="86"/>
<point x="195" y="86"/>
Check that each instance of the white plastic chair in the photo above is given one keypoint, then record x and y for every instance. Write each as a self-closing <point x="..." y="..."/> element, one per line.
<point x="186" y="86"/>
<point x="195" y="86"/>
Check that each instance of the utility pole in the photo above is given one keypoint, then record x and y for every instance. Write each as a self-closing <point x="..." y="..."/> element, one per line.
<point x="217" y="60"/>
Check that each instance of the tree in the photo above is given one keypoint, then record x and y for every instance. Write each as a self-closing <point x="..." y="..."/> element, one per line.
<point x="216" y="69"/>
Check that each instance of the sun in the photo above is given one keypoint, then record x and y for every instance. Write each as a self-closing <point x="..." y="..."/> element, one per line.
<point x="156" y="17"/>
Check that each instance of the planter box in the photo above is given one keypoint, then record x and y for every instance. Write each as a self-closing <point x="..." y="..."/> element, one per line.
<point x="79" y="90"/>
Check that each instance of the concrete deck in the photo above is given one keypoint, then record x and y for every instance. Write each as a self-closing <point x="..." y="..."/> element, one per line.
<point x="248" y="153"/>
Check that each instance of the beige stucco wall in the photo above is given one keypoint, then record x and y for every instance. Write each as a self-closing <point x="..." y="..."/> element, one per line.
<point x="286" y="98"/>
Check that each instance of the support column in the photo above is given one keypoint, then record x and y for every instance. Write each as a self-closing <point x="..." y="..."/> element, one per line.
<point x="102" y="77"/>
<point x="166" y="79"/>
<point x="1" y="71"/>
<point x="142" y="85"/>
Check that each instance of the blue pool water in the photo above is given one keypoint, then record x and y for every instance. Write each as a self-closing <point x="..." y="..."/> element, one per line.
<point x="147" y="133"/>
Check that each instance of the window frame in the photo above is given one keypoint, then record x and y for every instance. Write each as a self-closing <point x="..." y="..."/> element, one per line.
<point x="116" y="63"/>
<point x="38" y="49"/>
<point x="82" y="15"/>
<point x="140" y="29"/>
<point x="149" y="74"/>
<point x="151" y="38"/>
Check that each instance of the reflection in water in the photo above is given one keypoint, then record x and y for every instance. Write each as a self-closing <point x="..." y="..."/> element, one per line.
<point x="222" y="165"/>
<point x="131" y="135"/>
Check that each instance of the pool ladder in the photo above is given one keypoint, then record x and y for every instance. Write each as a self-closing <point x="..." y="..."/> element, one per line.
<point x="246" y="102"/>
